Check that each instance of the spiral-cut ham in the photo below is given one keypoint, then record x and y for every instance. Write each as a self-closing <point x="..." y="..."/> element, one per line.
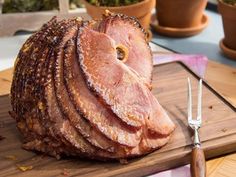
<point x="73" y="95"/>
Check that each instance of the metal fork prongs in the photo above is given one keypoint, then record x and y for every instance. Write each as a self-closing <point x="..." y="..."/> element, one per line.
<point x="195" y="124"/>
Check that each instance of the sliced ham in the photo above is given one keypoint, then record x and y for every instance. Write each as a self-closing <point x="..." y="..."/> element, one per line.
<point x="90" y="133"/>
<point x="122" y="90"/>
<point x="110" y="78"/>
<point x="73" y="94"/>
<point x="128" y="32"/>
<point x="92" y="109"/>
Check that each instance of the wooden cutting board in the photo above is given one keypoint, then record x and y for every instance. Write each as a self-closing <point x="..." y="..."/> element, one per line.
<point x="218" y="134"/>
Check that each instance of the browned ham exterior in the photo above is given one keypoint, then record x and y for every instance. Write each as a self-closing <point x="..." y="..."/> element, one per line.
<point x="73" y="94"/>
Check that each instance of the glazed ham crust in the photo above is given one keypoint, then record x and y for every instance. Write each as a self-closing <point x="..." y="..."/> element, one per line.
<point x="72" y="94"/>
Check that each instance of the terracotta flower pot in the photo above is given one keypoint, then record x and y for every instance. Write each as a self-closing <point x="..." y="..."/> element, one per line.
<point x="180" y="13"/>
<point x="228" y="13"/>
<point x="141" y="10"/>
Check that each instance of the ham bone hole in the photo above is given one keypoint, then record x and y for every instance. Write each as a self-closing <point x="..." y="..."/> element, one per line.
<point x="122" y="52"/>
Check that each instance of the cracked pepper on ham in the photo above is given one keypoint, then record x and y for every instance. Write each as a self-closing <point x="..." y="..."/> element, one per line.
<point x="82" y="88"/>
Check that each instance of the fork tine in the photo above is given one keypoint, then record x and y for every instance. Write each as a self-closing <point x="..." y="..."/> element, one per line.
<point x="189" y="100"/>
<point x="199" y="105"/>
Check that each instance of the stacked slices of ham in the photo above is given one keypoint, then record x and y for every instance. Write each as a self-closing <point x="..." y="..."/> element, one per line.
<point x="73" y="94"/>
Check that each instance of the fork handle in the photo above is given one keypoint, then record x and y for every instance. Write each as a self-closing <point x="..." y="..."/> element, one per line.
<point x="198" y="162"/>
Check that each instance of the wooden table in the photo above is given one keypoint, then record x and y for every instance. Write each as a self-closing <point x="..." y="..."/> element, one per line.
<point x="220" y="77"/>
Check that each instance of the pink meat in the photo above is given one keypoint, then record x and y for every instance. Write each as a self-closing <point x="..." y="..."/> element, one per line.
<point x="128" y="32"/>
<point x="119" y="87"/>
<point x="92" y="109"/>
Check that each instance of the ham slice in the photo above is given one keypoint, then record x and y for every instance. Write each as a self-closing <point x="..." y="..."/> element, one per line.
<point x="88" y="131"/>
<point x="110" y="78"/>
<point x="128" y="32"/>
<point x="121" y="89"/>
<point x="92" y="109"/>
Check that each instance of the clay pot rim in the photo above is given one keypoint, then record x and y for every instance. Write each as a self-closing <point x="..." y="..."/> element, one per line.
<point x="131" y="6"/>
<point x="226" y="4"/>
<point x="146" y="5"/>
<point x="180" y="32"/>
<point x="141" y="10"/>
<point x="226" y="9"/>
<point x="231" y="53"/>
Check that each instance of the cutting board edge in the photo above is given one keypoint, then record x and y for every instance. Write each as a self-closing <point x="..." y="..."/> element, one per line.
<point x="153" y="169"/>
<point x="204" y="82"/>
<point x="184" y="156"/>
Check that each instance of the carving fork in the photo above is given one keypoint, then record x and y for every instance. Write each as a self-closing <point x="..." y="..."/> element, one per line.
<point x="198" y="163"/>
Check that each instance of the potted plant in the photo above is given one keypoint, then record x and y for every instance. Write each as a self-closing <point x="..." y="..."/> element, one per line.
<point x="227" y="9"/>
<point x="141" y="9"/>
<point x="181" y="14"/>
